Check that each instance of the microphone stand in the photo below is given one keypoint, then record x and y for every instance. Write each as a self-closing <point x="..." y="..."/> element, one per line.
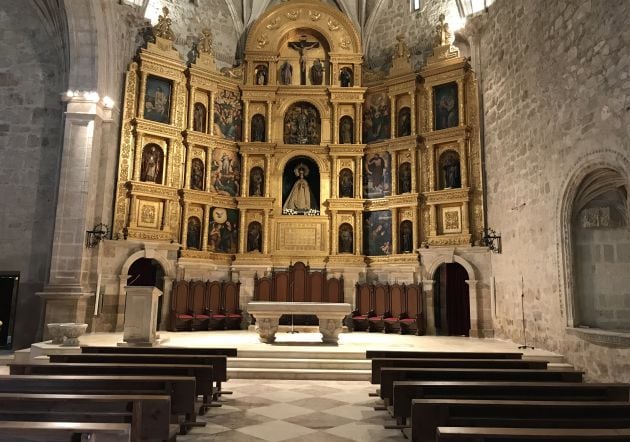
<point x="524" y="346"/>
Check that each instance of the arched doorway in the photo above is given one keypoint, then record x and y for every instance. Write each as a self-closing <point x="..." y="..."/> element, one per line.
<point x="451" y="300"/>
<point x="148" y="272"/>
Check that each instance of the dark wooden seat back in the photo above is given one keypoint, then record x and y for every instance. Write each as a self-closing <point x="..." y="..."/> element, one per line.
<point x="181" y="315"/>
<point x="334" y="290"/>
<point x="413" y="311"/>
<point x="298" y="274"/>
<point x="216" y="305"/>
<point x="281" y="287"/>
<point x="262" y="288"/>
<point x="198" y="298"/>
<point x="381" y="299"/>
<point x="232" y="306"/>
<point x="317" y="288"/>
<point x="364" y="302"/>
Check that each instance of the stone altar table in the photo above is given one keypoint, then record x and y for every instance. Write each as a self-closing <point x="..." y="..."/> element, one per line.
<point x="268" y="314"/>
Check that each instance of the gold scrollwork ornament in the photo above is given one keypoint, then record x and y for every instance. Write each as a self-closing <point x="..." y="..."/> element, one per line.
<point x="262" y="41"/>
<point x="163" y="27"/>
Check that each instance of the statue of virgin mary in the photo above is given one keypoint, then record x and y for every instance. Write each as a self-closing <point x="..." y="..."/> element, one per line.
<point x="299" y="200"/>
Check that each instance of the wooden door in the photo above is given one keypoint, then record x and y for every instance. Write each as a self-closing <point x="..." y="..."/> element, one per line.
<point x="457" y="300"/>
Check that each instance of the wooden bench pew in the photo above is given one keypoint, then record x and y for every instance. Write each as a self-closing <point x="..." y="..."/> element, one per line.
<point x="201" y="373"/>
<point x="217" y="362"/>
<point x="27" y="431"/>
<point x="147" y="414"/>
<point x="483" y="434"/>
<point x="371" y="354"/>
<point x="406" y="391"/>
<point x="509" y="364"/>
<point x="429" y="414"/>
<point x="181" y="389"/>
<point x="391" y="374"/>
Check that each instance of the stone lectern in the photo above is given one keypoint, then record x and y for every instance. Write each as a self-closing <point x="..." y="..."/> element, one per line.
<point x="141" y="309"/>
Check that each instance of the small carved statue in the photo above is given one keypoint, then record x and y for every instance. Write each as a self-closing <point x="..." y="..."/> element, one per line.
<point x="452" y="177"/>
<point x="258" y="128"/>
<point x="402" y="51"/>
<point x="261" y="75"/>
<point x="443" y="35"/>
<point x="235" y="72"/>
<point x="163" y="27"/>
<point x="345" y="77"/>
<point x="286" y="73"/>
<point x="204" y="46"/>
<point x="317" y="72"/>
<point x="345" y="131"/>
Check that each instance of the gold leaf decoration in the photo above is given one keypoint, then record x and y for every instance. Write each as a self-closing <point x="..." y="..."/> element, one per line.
<point x="314" y="15"/>
<point x="262" y="41"/>
<point x="273" y="24"/>
<point x="294" y="14"/>
<point x="333" y="25"/>
<point x="345" y="42"/>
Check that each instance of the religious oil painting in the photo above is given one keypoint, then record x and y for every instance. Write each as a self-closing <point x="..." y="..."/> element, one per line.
<point x="193" y="237"/>
<point x="377" y="239"/>
<point x="226" y="172"/>
<point x="445" y="106"/>
<point x="157" y="100"/>
<point x="228" y="115"/>
<point x="300" y="187"/>
<point x="376" y="118"/>
<point x="377" y="175"/>
<point x="302" y="124"/>
<point x="223" y="230"/>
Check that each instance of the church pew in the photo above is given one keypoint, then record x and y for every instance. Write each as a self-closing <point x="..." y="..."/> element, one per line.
<point x="406" y="391"/>
<point x="147" y="414"/>
<point x="217" y="362"/>
<point x="429" y="414"/>
<point x="27" y="431"/>
<point x="181" y="389"/>
<point x="391" y="374"/>
<point x="201" y="373"/>
<point x="371" y="354"/>
<point x="379" y="363"/>
<point x="483" y="434"/>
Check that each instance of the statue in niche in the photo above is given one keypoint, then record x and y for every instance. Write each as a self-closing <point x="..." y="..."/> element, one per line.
<point x="443" y="35"/>
<point x="452" y="178"/>
<point x="204" y="45"/>
<point x="258" y="128"/>
<point x="401" y="51"/>
<point x="345" y="130"/>
<point x="151" y="164"/>
<point x="194" y="231"/>
<point x="404" y="178"/>
<point x="302" y="46"/>
<point x="345" y="77"/>
<point x="261" y="75"/>
<point x="406" y="235"/>
<point x="404" y="122"/>
<point x="196" y="174"/>
<point x="199" y="118"/>
<point x="346" y="184"/>
<point x="256" y="182"/>
<point x="300" y="198"/>
<point x="286" y="73"/>
<point x="345" y="238"/>
<point x="317" y="72"/>
<point x="254" y="237"/>
<point x="163" y="27"/>
<point x="302" y="124"/>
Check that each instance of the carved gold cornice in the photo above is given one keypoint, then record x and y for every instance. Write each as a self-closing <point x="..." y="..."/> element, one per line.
<point x="255" y="202"/>
<point x="151" y="190"/>
<point x="449" y="240"/>
<point x="345" y="204"/>
<point x="150" y="235"/>
<point x="161" y="130"/>
<point x="257" y="148"/>
<point x="346" y="94"/>
<point x="453" y="134"/>
<point x="347" y="150"/>
<point x="447" y="196"/>
<point x="217" y="258"/>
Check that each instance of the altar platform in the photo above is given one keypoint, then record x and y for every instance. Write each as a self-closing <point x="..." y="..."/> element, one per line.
<point x="300" y="355"/>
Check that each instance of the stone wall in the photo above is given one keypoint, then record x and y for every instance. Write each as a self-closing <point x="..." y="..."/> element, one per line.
<point x="556" y="87"/>
<point x="30" y="139"/>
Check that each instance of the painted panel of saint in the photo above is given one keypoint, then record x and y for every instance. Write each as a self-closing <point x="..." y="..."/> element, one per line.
<point x="196" y="174"/>
<point x="254" y="237"/>
<point x="404" y="122"/>
<point x="346" y="130"/>
<point x="346" y="238"/>
<point x="377" y="240"/>
<point x="446" y="108"/>
<point x="404" y="178"/>
<point x="302" y="124"/>
<point x="300" y="187"/>
<point x="152" y="164"/>
<point x="406" y="237"/>
<point x="199" y="117"/>
<point x="256" y="182"/>
<point x="376" y="118"/>
<point x="226" y="172"/>
<point x="223" y="230"/>
<point x="258" y="128"/>
<point x="157" y="100"/>
<point x="228" y="115"/>
<point x="346" y="184"/>
<point x="377" y="176"/>
<point x="193" y="238"/>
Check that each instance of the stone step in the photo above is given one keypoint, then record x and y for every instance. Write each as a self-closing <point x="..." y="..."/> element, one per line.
<point x="300" y="354"/>
<point x="291" y="374"/>
<point x="318" y="363"/>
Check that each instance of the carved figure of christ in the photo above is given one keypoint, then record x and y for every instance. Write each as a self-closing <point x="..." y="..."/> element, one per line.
<point x="302" y="46"/>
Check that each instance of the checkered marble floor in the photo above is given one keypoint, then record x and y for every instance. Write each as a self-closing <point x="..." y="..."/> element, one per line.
<point x="295" y="411"/>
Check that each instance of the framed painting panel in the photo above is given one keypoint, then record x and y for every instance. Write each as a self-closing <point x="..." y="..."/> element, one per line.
<point x="157" y="100"/>
<point x="445" y="106"/>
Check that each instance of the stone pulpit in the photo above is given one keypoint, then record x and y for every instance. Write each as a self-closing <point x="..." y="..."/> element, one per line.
<point x="141" y="310"/>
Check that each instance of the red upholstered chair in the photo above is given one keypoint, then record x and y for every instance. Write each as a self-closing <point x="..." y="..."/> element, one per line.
<point x="397" y="300"/>
<point x="363" y="303"/>
<point x="199" y="305"/>
<point x="181" y="316"/>
<point x="233" y="314"/>
<point x="215" y="306"/>
<point x="381" y="308"/>
<point x="412" y="321"/>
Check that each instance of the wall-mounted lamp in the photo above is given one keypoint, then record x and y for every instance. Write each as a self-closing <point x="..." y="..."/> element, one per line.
<point x="491" y="239"/>
<point x="96" y="235"/>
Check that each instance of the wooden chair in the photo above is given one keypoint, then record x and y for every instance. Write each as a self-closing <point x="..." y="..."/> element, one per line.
<point x="391" y="320"/>
<point x="199" y="305"/>
<point x="232" y="311"/>
<point x="381" y="307"/>
<point x="412" y="320"/>
<point x="181" y="316"/>
<point x="215" y="305"/>
<point x="363" y="303"/>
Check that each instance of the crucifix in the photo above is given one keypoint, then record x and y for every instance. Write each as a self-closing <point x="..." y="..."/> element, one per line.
<point x="302" y="46"/>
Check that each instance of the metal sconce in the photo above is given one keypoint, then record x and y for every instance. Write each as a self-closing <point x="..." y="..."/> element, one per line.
<point x="491" y="239"/>
<point x="96" y="235"/>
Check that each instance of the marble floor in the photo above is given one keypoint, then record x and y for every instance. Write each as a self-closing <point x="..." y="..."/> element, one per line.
<point x="295" y="411"/>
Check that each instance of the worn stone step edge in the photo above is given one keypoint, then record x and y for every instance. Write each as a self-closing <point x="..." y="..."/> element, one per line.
<point x="296" y="354"/>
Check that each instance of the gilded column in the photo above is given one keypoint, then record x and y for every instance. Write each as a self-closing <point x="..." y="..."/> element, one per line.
<point x="335" y="117"/>
<point x="358" y="188"/>
<point x="266" y="232"/>
<point x="211" y="114"/>
<point x="143" y="91"/>
<point x="267" y="173"/>
<point x="167" y="215"/>
<point x="189" y="151"/>
<point x="269" y="109"/>
<point x="392" y="117"/>
<point x="333" y="234"/>
<point x="358" y="231"/>
<point x="358" y="123"/>
<point x="416" y="228"/>
<point x="395" y="231"/>
<point x="460" y="97"/>
<point x="465" y="219"/>
<point x="137" y="160"/>
<point x="205" y="227"/>
<point x="184" y="241"/>
<point x="335" y="177"/>
<point x="433" y="220"/>
<point x="431" y="160"/>
<point x="246" y="121"/>
<point x="394" y="173"/>
<point x="414" y="170"/>
<point x="207" y="169"/>
<point x="191" y="107"/>
<point x="463" y="162"/>
<point x="412" y="97"/>
<point x="241" y="233"/>
<point x="245" y="178"/>
<point x="429" y="92"/>
<point x="133" y="210"/>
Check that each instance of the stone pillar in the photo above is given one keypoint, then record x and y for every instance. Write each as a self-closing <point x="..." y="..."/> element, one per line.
<point x="166" y="303"/>
<point x="476" y="330"/>
<point x="427" y="308"/>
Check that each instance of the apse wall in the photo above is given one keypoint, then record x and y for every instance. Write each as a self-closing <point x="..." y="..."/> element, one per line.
<point x="556" y="89"/>
<point x="30" y="143"/>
